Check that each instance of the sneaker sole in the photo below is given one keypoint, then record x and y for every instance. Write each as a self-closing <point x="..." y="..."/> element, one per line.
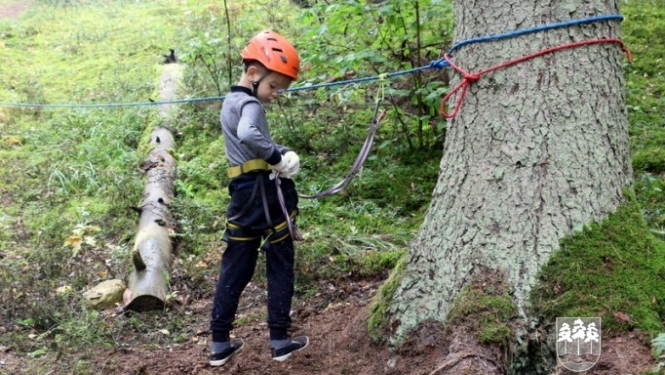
<point x="223" y="361"/>
<point x="286" y="356"/>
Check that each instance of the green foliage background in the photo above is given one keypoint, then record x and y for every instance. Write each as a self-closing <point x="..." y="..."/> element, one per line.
<point x="64" y="172"/>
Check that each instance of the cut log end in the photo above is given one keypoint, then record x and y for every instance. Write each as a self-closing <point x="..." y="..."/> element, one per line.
<point x="145" y="303"/>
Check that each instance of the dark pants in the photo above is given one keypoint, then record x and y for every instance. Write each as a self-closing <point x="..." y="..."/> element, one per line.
<point x="239" y="258"/>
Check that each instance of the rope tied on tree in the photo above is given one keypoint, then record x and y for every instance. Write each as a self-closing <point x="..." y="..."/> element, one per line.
<point x="469" y="78"/>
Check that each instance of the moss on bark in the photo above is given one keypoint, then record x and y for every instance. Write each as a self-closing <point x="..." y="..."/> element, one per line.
<point x="486" y="307"/>
<point x="378" y="318"/>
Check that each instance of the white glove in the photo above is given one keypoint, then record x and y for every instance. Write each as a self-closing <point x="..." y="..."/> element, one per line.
<point x="292" y="165"/>
<point x="278" y="169"/>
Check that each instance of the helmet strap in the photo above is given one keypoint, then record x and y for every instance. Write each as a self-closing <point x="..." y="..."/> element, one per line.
<point x="255" y="84"/>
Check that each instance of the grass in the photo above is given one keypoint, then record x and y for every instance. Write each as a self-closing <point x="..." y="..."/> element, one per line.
<point x="645" y="84"/>
<point x="65" y="168"/>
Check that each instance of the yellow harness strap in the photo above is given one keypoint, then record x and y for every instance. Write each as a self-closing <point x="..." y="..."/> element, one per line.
<point x="270" y="236"/>
<point x="248" y="166"/>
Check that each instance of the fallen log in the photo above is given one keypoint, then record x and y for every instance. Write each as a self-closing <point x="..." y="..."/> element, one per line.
<point x="152" y="254"/>
<point x="153" y="250"/>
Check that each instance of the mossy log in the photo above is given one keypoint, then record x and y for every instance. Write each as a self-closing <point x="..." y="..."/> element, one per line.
<point x="152" y="252"/>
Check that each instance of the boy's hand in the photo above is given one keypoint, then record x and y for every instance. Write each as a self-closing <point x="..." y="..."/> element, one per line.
<point x="292" y="165"/>
<point x="281" y="166"/>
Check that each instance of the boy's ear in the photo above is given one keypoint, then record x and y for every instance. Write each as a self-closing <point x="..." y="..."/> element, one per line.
<point x="253" y="71"/>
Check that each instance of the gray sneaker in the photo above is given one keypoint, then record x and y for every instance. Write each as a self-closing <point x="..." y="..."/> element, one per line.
<point x="296" y="344"/>
<point x="218" y="359"/>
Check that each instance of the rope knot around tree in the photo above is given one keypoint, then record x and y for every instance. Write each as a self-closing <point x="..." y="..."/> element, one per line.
<point x="469" y="78"/>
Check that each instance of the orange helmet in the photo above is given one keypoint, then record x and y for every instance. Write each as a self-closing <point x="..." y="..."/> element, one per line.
<point x="274" y="52"/>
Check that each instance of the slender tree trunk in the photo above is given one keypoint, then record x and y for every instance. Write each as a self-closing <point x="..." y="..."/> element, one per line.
<point x="538" y="150"/>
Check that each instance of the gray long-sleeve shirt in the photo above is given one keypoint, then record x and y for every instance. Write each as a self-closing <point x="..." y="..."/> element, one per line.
<point x="245" y="129"/>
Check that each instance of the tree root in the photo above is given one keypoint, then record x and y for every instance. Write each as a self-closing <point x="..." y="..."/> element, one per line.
<point x="464" y="355"/>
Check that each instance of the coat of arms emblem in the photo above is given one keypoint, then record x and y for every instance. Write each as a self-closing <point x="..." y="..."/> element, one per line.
<point x="578" y="342"/>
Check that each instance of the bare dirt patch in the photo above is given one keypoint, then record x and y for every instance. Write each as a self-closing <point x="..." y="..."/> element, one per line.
<point x="339" y="345"/>
<point x="13" y="11"/>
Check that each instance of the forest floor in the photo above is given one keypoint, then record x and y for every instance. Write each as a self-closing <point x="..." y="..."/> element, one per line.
<point x="339" y="345"/>
<point x="336" y="323"/>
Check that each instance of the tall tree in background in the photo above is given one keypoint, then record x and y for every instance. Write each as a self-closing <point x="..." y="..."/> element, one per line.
<point x="538" y="150"/>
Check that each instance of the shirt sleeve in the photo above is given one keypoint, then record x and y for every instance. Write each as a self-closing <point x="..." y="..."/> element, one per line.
<point x="252" y="136"/>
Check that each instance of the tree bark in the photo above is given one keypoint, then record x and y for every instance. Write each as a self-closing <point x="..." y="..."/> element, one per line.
<point x="538" y="150"/>
<point x="153" y="250"/>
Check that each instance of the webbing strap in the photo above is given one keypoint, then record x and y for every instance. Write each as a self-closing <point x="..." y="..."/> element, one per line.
<point x="282" y="204"/>
<point x="360" y="159"/>
<point x="248" y="166"/>
<point x="264" y="199"/>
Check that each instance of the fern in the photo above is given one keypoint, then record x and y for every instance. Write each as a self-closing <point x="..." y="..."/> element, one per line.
<point x="658" y="345"/>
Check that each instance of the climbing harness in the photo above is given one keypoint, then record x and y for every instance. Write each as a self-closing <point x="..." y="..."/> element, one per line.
<point x="276" y="232"/>
<point x="270" y="236"/>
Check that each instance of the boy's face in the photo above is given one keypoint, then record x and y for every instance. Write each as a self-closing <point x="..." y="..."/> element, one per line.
<point x="270" y="85"/>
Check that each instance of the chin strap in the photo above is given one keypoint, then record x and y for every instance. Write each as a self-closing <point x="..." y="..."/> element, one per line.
<point x="255" y="84"/>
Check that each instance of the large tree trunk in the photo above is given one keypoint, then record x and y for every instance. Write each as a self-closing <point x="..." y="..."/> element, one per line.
<point x="538" y="150"/>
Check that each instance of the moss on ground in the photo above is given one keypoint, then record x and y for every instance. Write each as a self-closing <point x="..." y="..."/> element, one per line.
<point x="613" y="269"/>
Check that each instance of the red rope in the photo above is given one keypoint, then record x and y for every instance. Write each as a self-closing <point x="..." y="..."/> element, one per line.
<point x="469" y="78"/>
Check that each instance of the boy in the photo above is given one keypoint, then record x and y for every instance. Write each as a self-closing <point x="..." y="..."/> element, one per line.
<point x="256" y="216"/>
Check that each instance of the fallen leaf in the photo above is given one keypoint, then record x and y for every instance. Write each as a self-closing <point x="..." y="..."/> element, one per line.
<point x="13" y="141"/>
<point x="73" y="241"/>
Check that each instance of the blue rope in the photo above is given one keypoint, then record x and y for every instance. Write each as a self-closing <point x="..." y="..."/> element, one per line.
<point x="109" y="105"/>
<point x="436" y="64"/>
